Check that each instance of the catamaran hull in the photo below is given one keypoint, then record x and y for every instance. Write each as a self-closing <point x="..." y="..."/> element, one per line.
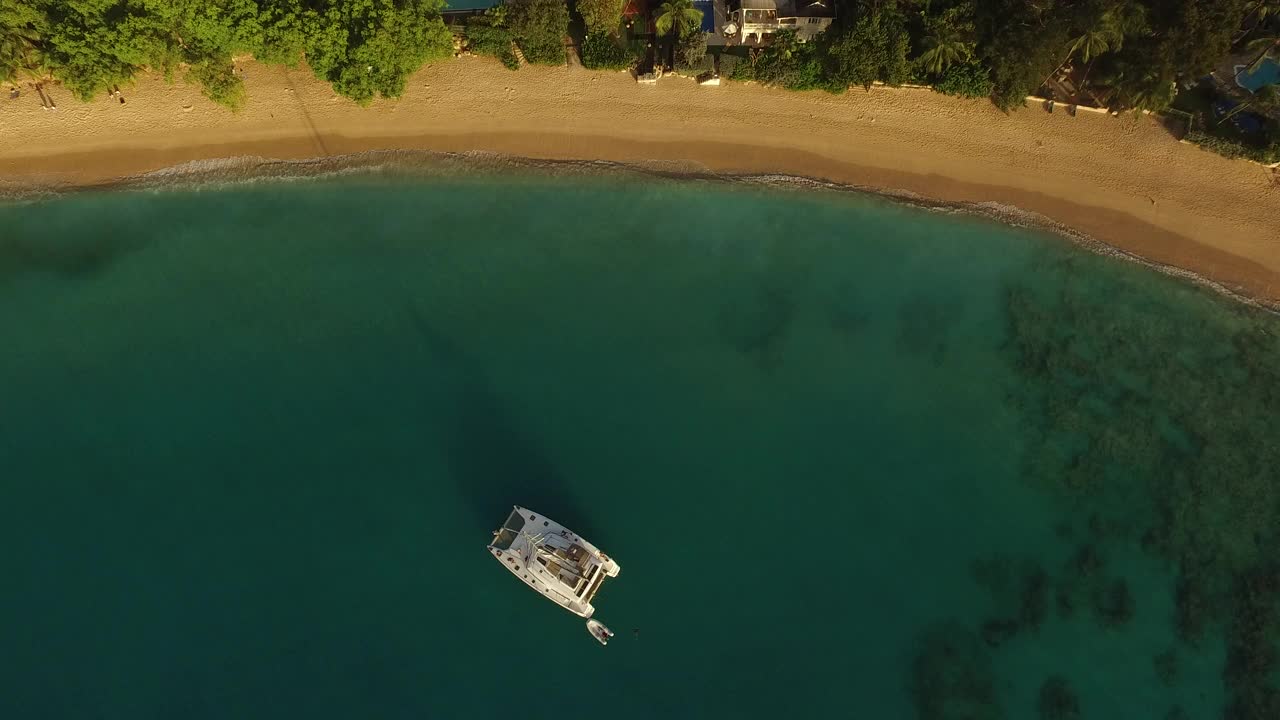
<point x="552" y="560"/>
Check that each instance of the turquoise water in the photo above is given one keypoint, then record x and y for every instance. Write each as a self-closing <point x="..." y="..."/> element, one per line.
<point x="1267" y="73"/>
<point x="856" y="459"/>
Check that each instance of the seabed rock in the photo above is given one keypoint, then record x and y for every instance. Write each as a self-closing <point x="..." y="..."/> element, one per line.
<point x="951" y="677"/>
<point x="1057" y="700"/>
<point x="1166" y="667"/>
<point x="1113" y="605"/>
<point x="997" y="632"/>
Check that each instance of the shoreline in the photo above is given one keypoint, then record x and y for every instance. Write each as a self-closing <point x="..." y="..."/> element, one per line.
<point x="1122" y="182"/>
<point x="220" y="172"/>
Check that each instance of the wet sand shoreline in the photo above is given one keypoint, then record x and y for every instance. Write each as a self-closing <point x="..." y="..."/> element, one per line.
<point x="1121" y="181"/>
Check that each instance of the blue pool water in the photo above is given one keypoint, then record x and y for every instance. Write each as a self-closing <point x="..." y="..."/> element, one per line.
<point x="1268" y="73"/>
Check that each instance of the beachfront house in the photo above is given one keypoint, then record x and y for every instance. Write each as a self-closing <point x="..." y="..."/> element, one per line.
<point x="756" y="21"/>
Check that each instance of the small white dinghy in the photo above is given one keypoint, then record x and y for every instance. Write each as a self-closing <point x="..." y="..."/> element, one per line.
<point x="599" y="631"/>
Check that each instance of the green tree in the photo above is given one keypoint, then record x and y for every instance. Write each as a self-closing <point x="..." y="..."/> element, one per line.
<point x="1139" y="86"/>
<point x="92" y="45"/>
<point x="601" y="51"/>
<point x="1192" y="35"/>
<point x="874" y="48"/>
<point x="1099" y="37"/>
<point x="21" y="43"/>
<point x="487" y="34"/>
<point x="970" y="80"/>
<point x="678" y="16"/>
<point x="1020" y="42"/>
<point x="368" y="48"/>
<point x="279" y="36"/>
<point x="539" y="27"/>
<point x="691" y="49"/>
<point x="601" y="16"/>
<point x="948" y="38"/>
<point x="1258" y="11"/>
<point x="786" y="62"/>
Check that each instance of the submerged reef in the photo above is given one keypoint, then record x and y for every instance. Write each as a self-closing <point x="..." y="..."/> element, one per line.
<point x="1057" y="700"/>
<point x="1020" y="591"/>
<point x="758" y="326"/>
<point x="1166" y="667"/>
<point x="1253" y="655"/>
<point x="1113" y="604"/>
<point x="923" y="324"/>
<point x="1153" y="411"/>
<point x="951" y="676"/>
<point x="1034" y="598"/>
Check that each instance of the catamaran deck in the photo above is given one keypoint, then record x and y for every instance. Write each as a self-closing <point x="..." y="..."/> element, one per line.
<point x="552" y="560"/>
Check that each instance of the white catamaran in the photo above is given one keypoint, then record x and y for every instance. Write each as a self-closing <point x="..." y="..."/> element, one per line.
<point x="555" y="562"/>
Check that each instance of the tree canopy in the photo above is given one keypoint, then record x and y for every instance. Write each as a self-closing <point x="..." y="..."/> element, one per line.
<point x="365" y="48"/>
<point x="369" y="47"/>
<point x="1132" y="51"/>
<point x="678" y="16"/>
<point x="1138" y="49"/>
<point x="601" y="16"/>
<point x="539" y="27"/>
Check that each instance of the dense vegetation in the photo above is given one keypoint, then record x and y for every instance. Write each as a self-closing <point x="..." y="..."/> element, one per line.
<point x="1134" y="49"/>
<point x="365" y="48"/>
<point x="601" y="17"/>
<point x="600" y="51"/>
<point x="539" y="27"/>
<point x="488" y="34"/>
<point x="1125" y="54"/>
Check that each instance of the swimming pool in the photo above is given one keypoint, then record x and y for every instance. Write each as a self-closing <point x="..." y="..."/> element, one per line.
<point x="1268" y="73"/>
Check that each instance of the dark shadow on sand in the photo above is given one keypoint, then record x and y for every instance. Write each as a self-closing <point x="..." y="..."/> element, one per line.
<point x="492" y="459"/>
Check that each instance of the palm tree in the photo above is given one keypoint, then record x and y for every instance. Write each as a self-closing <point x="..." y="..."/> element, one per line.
<point x="1154" y="95"/>
<point x="949" y="39"/>
<point x="1267" y="44"/>
<point x="1138" y="86"/>
<point x="20" y="57"/>
<point x="1259" y="10"/>
<point x="1105" y="35"/>
<point x="678" y="15"/>
<point x="18" y="53"/>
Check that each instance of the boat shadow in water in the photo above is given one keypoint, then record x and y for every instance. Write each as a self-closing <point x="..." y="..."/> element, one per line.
<point x="494" y="462"/>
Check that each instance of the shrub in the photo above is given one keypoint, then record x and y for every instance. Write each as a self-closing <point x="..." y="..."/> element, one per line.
<point x="219" y="82"/>
<point x="970" y="80"/>
<point x="691" y="52"/>
<point x="488" y="35"/>
<point x="600" y="16"/>
<point x="787" y="63"/>
<point x="874" y="48"/>
<point x="369" y="49"/>
<point x="602" y="52"/>
<point x="539" y="27"/>
<point x="1234" y="149"/>
<point x="728" y="63"/>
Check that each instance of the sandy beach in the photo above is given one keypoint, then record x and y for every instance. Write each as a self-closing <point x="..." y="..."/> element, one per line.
<point x="1124" y="181"/>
